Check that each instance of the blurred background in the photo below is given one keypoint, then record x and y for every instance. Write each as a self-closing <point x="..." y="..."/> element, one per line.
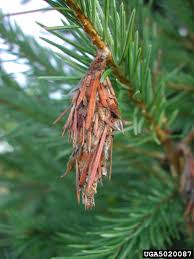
<point x="39" y="214"/>
<point x="15" y="14"/>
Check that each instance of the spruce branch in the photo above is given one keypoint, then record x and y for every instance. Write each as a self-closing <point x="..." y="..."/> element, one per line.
<point x="100" y="44"/>
<point x="160" y="127"/>
<point x="162" y="134"/>
<point x="125" y="226"/>
<point x="131" y="215"/>
<point x="161" y="130"/>
<point x="140" y="226"/>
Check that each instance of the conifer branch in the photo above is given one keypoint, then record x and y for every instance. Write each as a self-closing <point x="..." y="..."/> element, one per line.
<point x="162" y="134"/>
<point x="125" y="222"/>
<point x="146" y="217"/>
<point x="100" y="44"/>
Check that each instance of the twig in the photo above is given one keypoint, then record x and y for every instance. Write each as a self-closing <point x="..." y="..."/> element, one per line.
<point x="100" y="44"/>
<point x="162" y="134"/>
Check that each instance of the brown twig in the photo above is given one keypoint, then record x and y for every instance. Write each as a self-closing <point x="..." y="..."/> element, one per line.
<point x="100" y="44"/>
<point x="162" y="134"/>
<point x="173" y="151"/>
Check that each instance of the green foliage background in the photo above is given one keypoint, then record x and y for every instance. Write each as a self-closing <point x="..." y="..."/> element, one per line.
<point x="140" y="208"/>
